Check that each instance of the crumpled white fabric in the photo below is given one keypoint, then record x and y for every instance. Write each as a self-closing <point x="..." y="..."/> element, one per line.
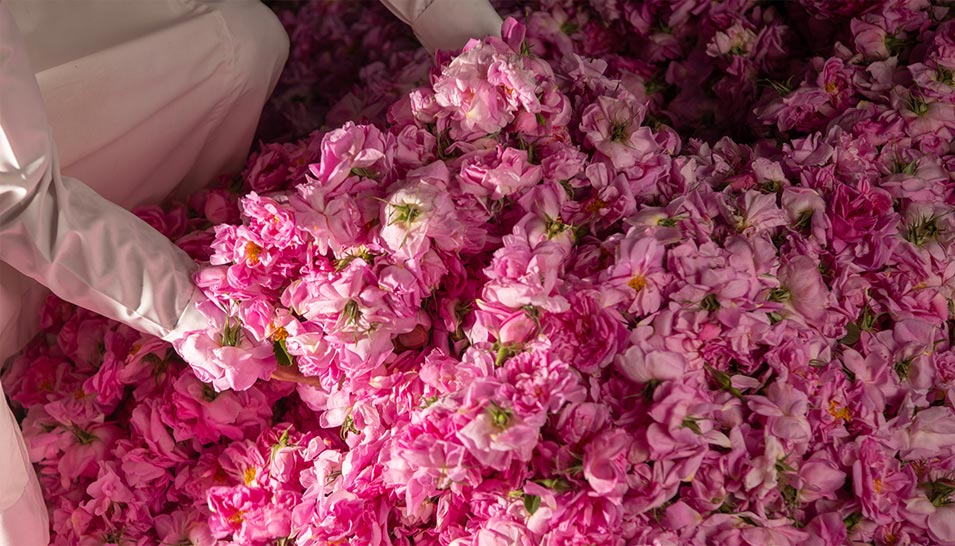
<point x="447" y="24"/>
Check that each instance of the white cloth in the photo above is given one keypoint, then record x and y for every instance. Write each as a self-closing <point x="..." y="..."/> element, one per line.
<point x="23" y="522"/>
<point x="143" y="98"/>
<point x="447" y="24"/>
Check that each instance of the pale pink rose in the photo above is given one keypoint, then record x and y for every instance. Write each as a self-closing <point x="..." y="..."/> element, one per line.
<point x="225" y="366"/>
<point x="638" y="279"/>
<point x="496" y="436"/>
<point x="735" y="40"/>
<point x="612" y="126"/>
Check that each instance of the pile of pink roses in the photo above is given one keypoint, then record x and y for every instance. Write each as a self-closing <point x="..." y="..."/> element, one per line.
<point x="529" y="311"/>
<point x="348" y="61"/>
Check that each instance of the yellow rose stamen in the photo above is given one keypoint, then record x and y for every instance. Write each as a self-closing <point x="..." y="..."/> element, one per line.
<point x="637" y="282"/>
<point x="252" y="252"/>
<point x="838" y="412"/>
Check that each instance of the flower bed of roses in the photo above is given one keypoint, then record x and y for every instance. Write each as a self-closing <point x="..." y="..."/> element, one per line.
<point x="534" y="308"/>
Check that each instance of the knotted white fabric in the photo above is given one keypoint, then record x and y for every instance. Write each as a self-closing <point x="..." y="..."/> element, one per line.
<point x="447" y="24"/>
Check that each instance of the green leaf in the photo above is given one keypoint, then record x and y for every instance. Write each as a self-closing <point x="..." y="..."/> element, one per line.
<point x="83" y="437"/>
<point x="404" y="213"/>
<point x="853" y="333"/>
<point x="531" y="503"/>
<point x="525" y="49"/>
<point x="804" y="221"/>
<point x="723" y="380"/>
<point x="569" y="27"/>
<point x="922" y="230"/>
<point x="782" y="466"/>
<point x="780" y="295"/>
<point x="790" y="496"/>
<point x="282" y="443"/>
<point x="554" y="227"/>
<point x="363" y="172"/>
<point x="282" y="354"/>
<point x="868" y="319"/>
<point x="500" y="417"/>
<point x="944" y="76"/>
<point x="568" y="189"/>
<point x="231" y="333"/>
<point x="558" y="484"/>
<point x="351" y="313"/>
<point x="208" y="393"/>
<point x="444" y="142"/>
<point x="852" y="520"/>
<point x="505" y="351"/>
<point x="690" y="423"/>
<point x="899" y="166"/>
<point x="710" y="303"/>
<point x="649" y="387"/>
<point x="939" y="492"/>
<point x="902" y="368"/>
<point x="348" y="426"/>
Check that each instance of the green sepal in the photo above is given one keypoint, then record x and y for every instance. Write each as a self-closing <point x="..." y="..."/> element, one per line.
<point x="282" y="354"/>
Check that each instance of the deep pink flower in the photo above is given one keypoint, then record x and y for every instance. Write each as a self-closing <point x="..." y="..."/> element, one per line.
<point x="827" y="529"/>
<point x="268" y="168"/>
<point x="243" y="513"/>
<point x="645" y="366"/>
<point x="498" y="173"/>
<point x="182" y="526"/>
<point x="876" y="480"/>
<point x="605" y="463"/>
<point x="523" y="275"/>
<point x="735" y="40"/>
<point x="421" y="212"/>
<point x="863" y="224"/>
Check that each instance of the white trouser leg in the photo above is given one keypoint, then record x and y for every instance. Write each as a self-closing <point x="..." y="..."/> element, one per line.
<point x="25" y="523"/>
<point x="23" y="516"/>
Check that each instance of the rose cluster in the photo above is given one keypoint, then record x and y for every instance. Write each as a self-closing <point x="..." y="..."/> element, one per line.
<point x="549" y="302"/>
<point x="347" y="61"/>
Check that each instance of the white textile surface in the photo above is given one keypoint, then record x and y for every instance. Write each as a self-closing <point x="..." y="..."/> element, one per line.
<point x="447" y="24"/>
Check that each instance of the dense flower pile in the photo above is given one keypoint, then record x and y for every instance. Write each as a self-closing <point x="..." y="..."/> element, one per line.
<point x="533" y="309"/>
<point x="348" y="61"/>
